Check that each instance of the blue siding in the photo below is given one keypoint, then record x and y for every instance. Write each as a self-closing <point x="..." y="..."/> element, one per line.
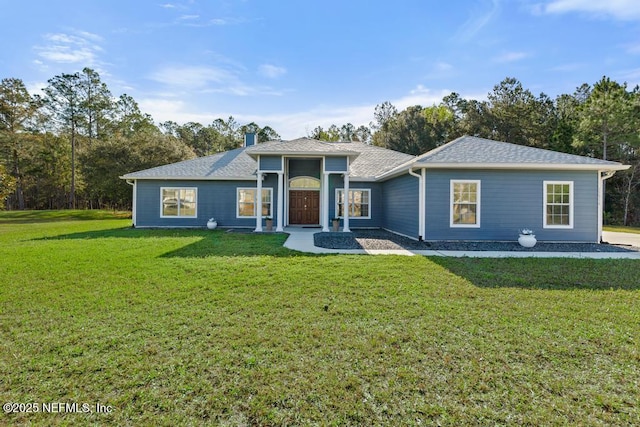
<point x="510" y="201"/>
<point x="271" y="163"/>
<point x="375" y="203"/>
<point x="335" y="164"/>
<point x="400" y="205"/>
<point x="304" y="167"/>
<point x="215" y="199"/>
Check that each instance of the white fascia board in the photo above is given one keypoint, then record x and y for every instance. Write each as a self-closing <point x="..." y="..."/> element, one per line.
<point x="525" y="166"/>
<point x="400" y="170"/>
<point x="191" y="178"/>
<point x="505" y="166"/>
<point x="352" y="154"/>
<point x="362" y="178"/>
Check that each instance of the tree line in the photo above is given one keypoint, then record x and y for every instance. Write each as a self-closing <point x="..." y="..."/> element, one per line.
<point x="67" y="148"/>
<point x="600" y="121"/>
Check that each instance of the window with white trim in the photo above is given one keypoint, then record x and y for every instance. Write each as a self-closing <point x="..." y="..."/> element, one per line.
<point x="359" y="203"/>
<point x="304" y="182"/>
<point x="558" y="204"/>
<point x="178" y="202"/>
<point x="465" y="203"/>
<point x="247" y="202"/>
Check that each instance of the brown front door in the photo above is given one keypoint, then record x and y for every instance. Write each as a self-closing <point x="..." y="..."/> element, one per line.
<point x="304" y="207"/>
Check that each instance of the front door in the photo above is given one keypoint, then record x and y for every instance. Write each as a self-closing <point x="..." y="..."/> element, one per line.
<point x="304" y="207"/>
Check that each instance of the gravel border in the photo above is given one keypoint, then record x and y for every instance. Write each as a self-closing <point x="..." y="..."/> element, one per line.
<point x="385" y="240"/>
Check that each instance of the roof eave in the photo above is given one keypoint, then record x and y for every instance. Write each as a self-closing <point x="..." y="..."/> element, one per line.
<point x="362" y="178"/>
<point x="191" y="178"/>
<point x="525" y="166"/>
<point x="351" y="154"/>
<point x="501" y="166"/>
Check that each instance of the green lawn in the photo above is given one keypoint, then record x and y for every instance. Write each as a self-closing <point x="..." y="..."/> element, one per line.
<point x="189" y="327"/>
<point x="620" y="228"/>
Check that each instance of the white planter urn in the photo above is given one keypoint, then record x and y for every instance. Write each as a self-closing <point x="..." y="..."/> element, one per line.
<point x="212" y="224"/>
<point x="527" y="240"/>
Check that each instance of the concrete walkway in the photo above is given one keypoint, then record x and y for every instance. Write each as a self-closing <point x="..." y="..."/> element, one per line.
<point x="618" y="238"/>
<point x="301" y="239"/>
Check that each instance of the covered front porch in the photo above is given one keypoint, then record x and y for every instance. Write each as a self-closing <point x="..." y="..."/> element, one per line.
<point x="303" y="191"/>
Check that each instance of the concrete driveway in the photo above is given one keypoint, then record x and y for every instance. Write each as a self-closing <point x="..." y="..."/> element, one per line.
<point x="618" y="238"/>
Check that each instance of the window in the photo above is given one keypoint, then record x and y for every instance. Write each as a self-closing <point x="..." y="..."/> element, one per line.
<point x="558" y="204"/>
<point x="359" y="200"/>
<point x="247" y="202"/>
<point x="465" y="203"/>
<point x="305" y="182"/>
<point x="178" y="202"/>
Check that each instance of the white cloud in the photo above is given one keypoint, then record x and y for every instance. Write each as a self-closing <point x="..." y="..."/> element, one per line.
<point x="631" y="77"/>
<point x="443" y="66"/>
<point x="77" y="47"/>
<point x="477" y="21"/>
<point x="625" y="10"/>
<point x="271" y="71"/>
<point x="191" y="77"/>
<point x="419" y="96"/>
<point x="511" y="57"/>
<point x="189" y="17"/>
<point x="290" y="124"/>
<point x="163" y="109"/>
<point x="209" y="79"/>
<point x="633" y="48"/>
<point x="301" y="123"/>
<point x="89" y="36"/>
<point x="36" y="88"/>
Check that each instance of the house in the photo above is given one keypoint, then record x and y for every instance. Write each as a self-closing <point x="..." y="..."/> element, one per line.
<point x="468" y="189"/>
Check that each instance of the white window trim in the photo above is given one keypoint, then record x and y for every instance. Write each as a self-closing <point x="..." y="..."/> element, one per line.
<point x="478" y="202"/>
<point x="368" y="190"/>
<point x="178" y="216"/>
<point x="544" y="205"/>
<point x="269" y="189"/>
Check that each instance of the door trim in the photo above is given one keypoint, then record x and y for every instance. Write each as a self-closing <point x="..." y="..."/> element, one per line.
<point x="317" y="192"/>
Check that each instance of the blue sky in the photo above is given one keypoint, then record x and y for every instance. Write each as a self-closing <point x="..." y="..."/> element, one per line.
<point x="295" y="65"/>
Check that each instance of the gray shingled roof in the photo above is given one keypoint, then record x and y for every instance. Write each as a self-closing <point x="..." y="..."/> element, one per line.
<point x="230" y="164"/>
<point x="366" y="161"/>
<point x="369" y="162"/>
<point x="301" y="146"/>
<point x="374" y="161"/>
<point x="470" y="150"/>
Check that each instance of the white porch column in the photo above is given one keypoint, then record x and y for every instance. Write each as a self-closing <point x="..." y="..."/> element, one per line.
<point x="258" y="202"/>
<point x="134" y="208"/>
<point x="601" y="195"/>
<point x="423" y="205"/>
<point x="421" y="201"/>
<point x="325" y="201"/>
<point x="600" y="205"/>
<point x="345" y="211"/>
<point x="280" y="214"/>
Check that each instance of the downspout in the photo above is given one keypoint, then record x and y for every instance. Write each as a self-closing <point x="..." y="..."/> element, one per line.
<point x="602" y="176"/>
<point x="258" y="200"/>
<point x="421" y="213"/>
<point x="347" y="206"/>
<point x="133" y="183"/>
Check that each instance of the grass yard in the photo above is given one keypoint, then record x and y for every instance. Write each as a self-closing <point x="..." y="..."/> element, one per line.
<point x="622" y="229"/>
<point x="190" y="327"/>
